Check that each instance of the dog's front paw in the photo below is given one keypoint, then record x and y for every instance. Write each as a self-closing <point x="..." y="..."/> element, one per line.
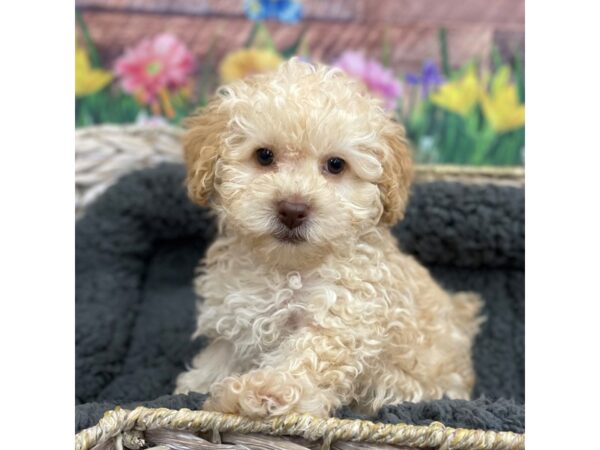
<point x="192" y="381"/>
<point x="260" y="393"/>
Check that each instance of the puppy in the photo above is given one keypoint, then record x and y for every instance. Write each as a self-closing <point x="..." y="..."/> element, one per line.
<point x="308" y="303"/>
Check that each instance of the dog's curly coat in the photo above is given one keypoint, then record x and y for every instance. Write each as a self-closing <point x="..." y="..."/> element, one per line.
<point x="329" y="313"/>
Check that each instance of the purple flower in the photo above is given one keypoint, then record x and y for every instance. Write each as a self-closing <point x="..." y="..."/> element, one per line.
<point x="429" y="79"/>
<point x="379" y="79"/>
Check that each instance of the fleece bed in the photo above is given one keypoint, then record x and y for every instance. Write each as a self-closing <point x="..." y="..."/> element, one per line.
<point x="137" y="247"/>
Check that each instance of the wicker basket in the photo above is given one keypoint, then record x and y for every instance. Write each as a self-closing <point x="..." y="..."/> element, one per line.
<point x="160" y="428"/>
<point x="106" y="152"/>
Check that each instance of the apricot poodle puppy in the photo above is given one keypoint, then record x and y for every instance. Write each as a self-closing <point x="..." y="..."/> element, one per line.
<point x="308" y="303"/>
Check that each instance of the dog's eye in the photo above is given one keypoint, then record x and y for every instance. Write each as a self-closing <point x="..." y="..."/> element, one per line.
<point x="335" y="165"/>
<point x="264" y="156"/>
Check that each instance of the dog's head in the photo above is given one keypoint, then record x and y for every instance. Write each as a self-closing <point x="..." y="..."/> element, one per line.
<point x="299" y="158"/>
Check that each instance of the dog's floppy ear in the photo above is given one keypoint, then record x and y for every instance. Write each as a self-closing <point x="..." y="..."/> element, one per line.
<point x="201" y="147"/>
<point x="397" y="173"/>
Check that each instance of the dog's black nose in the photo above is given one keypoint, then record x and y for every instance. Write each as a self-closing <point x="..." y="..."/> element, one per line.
<point x="292" y="214"/>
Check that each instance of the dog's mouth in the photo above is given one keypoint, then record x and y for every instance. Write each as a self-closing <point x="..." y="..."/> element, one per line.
<point x="293" y="237"/>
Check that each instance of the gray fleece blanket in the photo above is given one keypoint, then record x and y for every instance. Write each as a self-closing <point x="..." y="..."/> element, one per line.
<point x="138" y="245"/>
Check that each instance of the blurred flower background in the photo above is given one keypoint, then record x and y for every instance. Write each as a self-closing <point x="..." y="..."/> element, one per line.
<point x="452" y="71"/>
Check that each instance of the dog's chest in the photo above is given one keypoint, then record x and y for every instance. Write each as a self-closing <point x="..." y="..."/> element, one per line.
<point x="275" y="301"/>
<point x="255" y="310"/>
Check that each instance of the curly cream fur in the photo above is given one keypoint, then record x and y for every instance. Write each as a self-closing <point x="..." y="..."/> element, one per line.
<point x="343" y="317"/>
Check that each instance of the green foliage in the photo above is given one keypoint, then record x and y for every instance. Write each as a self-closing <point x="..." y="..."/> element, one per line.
<point x="441" y="136"/>
<point x="105" y="106"/>
<point x="443" y="40"/>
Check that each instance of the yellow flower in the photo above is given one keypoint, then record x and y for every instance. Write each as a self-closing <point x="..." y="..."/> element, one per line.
<point x="244" y="62"/>
<point x="87" y="79"/>
<point x="501" y="107"/>
<point x="459" y="96"/>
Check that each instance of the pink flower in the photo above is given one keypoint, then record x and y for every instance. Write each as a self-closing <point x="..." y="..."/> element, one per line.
<point x="155" y="64"/>
<point x="378" y="79"/>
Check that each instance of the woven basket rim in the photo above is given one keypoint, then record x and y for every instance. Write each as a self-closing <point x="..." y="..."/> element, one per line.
<point x="434" y="435"/>
<point x="497" y="172"/>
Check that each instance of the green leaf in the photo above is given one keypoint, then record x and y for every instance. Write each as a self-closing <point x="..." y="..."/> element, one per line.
<point x="293" y="49"/>
<point x="519" y="74"/>
<point x="483" y="146"/>
<point x="452" y="131"/>
<point x="514" y="144"/>
<point x="497" y="61"/>
<point x="92" y="51"/>
<point x="443" y="40"/>
<point x="386" y="48"/>
<point x="472" y="122"/>
<point x="263" y="39"/>
<point x="252" y="35"/>
<point x="500" y="79"/>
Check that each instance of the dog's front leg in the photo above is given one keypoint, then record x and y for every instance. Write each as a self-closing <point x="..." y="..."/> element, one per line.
<point x="312" y="372"/>
<point x="213" y="363"/>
